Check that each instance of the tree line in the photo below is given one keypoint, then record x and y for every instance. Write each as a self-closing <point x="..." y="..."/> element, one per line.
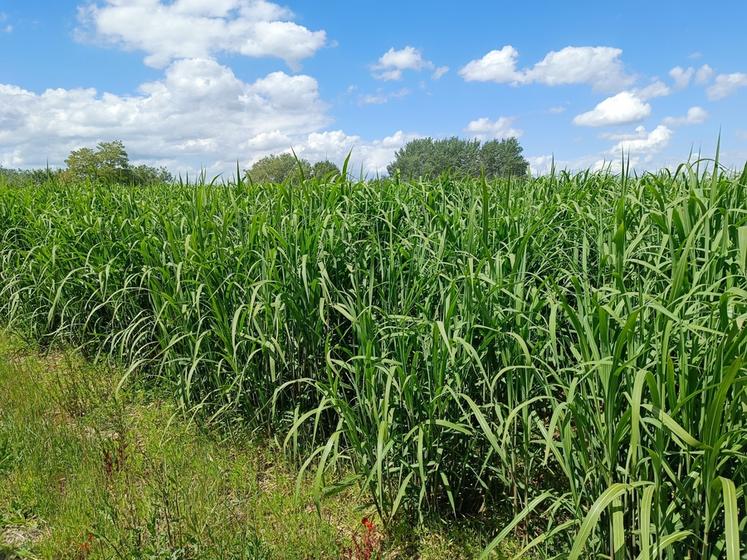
<point x="108" y="162"/>
<point x="426" y="158"/>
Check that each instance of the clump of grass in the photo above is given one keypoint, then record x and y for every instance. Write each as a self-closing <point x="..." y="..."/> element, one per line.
<point x="562" y="354"/>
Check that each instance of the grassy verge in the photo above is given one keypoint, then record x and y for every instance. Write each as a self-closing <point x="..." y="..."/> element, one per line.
<point x="86" y="475"/>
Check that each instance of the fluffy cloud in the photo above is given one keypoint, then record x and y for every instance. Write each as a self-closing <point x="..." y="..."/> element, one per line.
<point x="640" y="150"/>
<point x="199" y="113"/>
<point x="623" y="108"/>
<point x="695" y="115"/>
<point x="657" y="88"/>
<point x="371" y="157"/>
<point x="704" y="74"/>
<point x="600" y="67"/>
<point x="643" y="142"/>
<point x="543" y="164"/>
<point x="497" y="66"/>
<point x="640" y="132"/>
<point x="726" y="84"/>
<point x="393" y="63"/>
<point x="540" y="165"/>
<point x="199" y="29"/>
<point x="485" y="129"/>
<point x="681" y="76"/>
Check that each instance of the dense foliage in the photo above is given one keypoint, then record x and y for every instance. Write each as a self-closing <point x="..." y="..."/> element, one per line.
<point x="324" y="169"/>
<point x="109" y="163"/>
<point x="429" y="158"/>
<point x="565" y="353"/>
<point x="25" y="177"/>
<point x="281" y="168"/>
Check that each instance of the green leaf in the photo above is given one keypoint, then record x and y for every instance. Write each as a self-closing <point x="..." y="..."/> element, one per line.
<point x="592" y="517"/>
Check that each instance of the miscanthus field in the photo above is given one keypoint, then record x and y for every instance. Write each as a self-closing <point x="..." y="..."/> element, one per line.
<point x="562" y="357"/>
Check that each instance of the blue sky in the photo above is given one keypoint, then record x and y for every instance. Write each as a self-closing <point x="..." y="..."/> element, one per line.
<point x="201" y="83"/>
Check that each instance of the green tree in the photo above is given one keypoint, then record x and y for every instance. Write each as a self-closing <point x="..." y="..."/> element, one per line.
<point x="110" y="163"/>
<point x="113" y="163"/>
<point x="501" y="158"/>
<point x="324" y="169"/>
<point x="426" y="157"/>
<point x="82" y="164"/>
<point x="147" y="175"/>
<point x="278" y="168"/>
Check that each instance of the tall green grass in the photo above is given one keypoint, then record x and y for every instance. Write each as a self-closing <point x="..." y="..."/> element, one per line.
<point x="566" y="353"/>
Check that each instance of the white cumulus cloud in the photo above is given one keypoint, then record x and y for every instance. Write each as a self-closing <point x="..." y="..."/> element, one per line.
<point x="695" y="115"/>
<point x="657" y="88"/>
<point x="623" y="108"/>
<point x="540" y="165"/>
<point x="726" y="84"/>
<point x="643" y="142"/>
<point x="681" y="76"/>
<point x="496" y="66"/>
<point x="392" y="64"/>
<point x="600" y="67"/>
<point x="198" y="113"/>
<point x="704" y="74"/>
<point x="168" y="31"/>
<point x="485" y="129"/>
<point x="372" y="157"/>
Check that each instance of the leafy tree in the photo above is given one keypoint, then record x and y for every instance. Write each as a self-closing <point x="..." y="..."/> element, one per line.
<point x="110" y="163"/>
<point x="147" y="175"/>
<point x="82" y="164"/>
<point x="113" y="163"/>
<point x="278" y="168"/>
<point x="501" y="158"/>
<point x="323" y="169"/>
<point x="426" y="157"/>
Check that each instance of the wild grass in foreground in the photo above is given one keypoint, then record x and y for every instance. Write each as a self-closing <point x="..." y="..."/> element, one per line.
<point x="565" y="352"/>
<point x="85" y="474"/>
